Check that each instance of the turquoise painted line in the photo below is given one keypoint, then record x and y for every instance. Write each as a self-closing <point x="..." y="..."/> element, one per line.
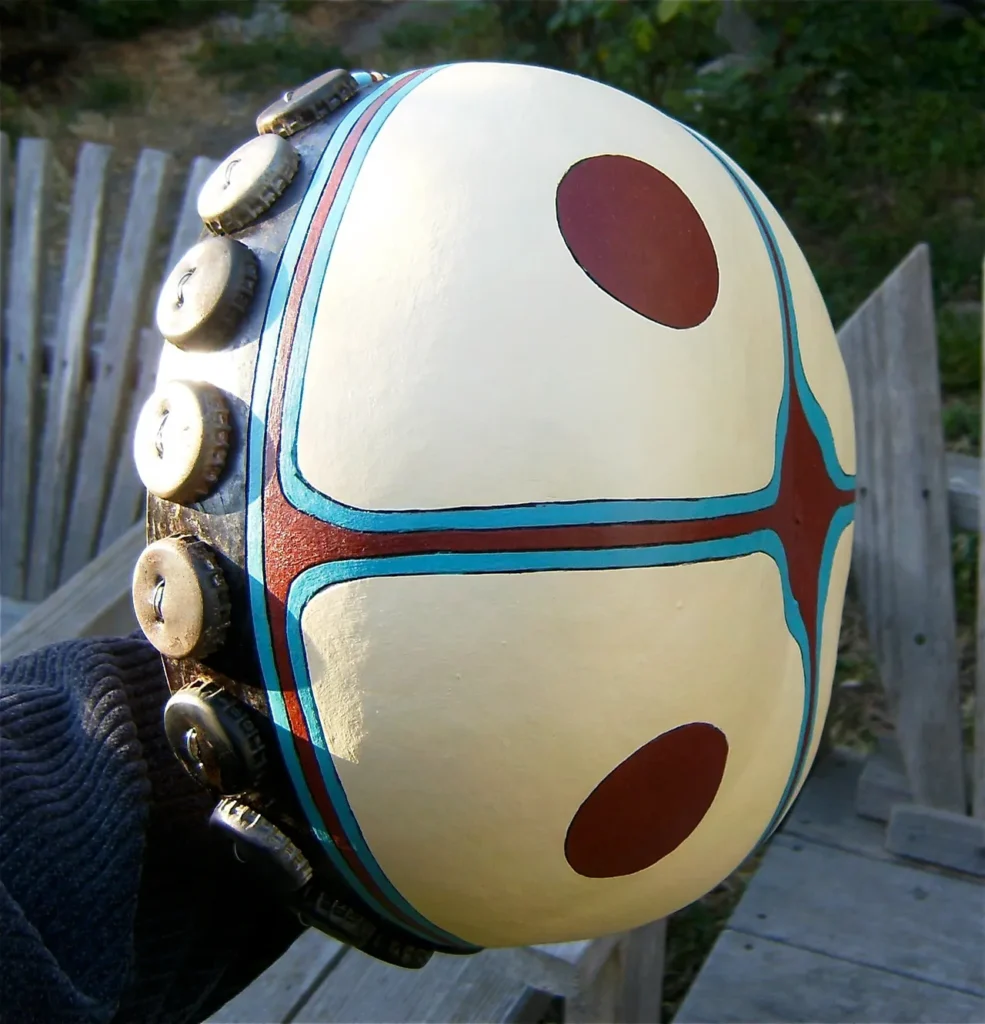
<point x="839" y="523"/>
<point x="816" y="417"/>
<point x="818" y="422"/>
<point x="262" y="382"/>
<point x="321" y="577"/>
<point x="307" y="499"/>
<point x="564" y="513"/>
<point x="263" y="378"/>
<point x="299" y="492"/>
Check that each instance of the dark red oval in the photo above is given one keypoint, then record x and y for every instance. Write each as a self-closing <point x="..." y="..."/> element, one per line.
<point x="648" y="805"/>
<point x="639" y="238"/>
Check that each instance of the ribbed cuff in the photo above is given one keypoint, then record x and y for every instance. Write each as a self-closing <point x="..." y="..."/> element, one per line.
<point x="117" y="901"/>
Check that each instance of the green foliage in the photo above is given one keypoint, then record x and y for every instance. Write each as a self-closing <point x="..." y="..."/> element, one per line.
<point x="118" y="19"/>
<point x="960" y="343"/>
<point x="960" y="347"/>
<point x="125" y="18"/>
<point x="963" y="424"/>
<point x="11" y="112"/>
<point x="412" y="37"/>
<point x="107" y="93"/>
<point x="863" y="122"/>
<point x="645" y="48"/>
<point x="266" y="63"/>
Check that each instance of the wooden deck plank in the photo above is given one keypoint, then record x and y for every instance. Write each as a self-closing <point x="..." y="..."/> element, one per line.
<point x="834" y="928"/>
<point x="94" y="602"/>
<point x="752" y="980"/>
<point x="22" y="338"/>
<point x="885" y="915"/>
<point x="282" y="990"/>
<point x="955" y="841"/>
<point x="824" y="812"/>
<point x="902" y="537"/>
<point x="110" y="399"/>
<point x="591" y="976"/>
<point x="68" y="374"/>
<point x="362" y="990"/>
<point x="883" y="782"/>
<point x="484" y="991"/>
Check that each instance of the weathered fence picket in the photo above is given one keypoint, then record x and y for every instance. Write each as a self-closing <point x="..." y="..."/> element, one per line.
<point x="125" y="503"/>
<point x="101" y="441"/>
<point x="66" y="389"/>
<point x="902" y="556"/>
<point x="71" y="386"/>
<point x="22" y="359"/>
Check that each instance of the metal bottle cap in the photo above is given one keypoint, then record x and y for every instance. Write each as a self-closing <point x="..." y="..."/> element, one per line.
<point x="180" y="597"/>
<point x="182" y="439"/>
<point x="207" y="294"/>
<point x="298" y="108"/>
<point x="215" y="738"/>
<point x="247" y="183"/>
<point x="260" y="843"/>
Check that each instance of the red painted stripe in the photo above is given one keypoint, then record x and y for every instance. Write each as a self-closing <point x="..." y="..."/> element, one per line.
<point x="294" y="541"/>
<point x="277" y="580"/>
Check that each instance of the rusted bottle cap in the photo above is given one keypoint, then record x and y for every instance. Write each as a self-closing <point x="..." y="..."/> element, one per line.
<point x="298" y="108"/>
<point x="207" y="294"/>
<point x="247" y="183"/>
<point x="180" y="597"/>
<point x="182" y="439"/>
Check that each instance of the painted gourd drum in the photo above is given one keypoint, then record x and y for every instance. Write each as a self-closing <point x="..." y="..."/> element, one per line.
<point x="501" y="480"/>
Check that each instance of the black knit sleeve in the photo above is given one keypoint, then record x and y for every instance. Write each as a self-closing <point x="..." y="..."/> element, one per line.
<point x="117" y="902"/>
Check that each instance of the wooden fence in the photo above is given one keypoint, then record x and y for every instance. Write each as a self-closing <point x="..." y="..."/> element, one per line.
<point x="79" y="275"/>
<point x="78" y="358"/>
<point x="908" y="495"/>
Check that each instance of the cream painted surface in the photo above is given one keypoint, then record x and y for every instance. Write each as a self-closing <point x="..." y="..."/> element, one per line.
<point x="462" y="357"/>
<point x="470" y="716"/>
<point x="230" y="369"/>
<point x="831" y="634"/>
<point x="824" y="367"/>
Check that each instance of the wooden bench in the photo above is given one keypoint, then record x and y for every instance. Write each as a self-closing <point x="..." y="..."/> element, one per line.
<point x="79" y="274"/>
<point x="613" y="979"/>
